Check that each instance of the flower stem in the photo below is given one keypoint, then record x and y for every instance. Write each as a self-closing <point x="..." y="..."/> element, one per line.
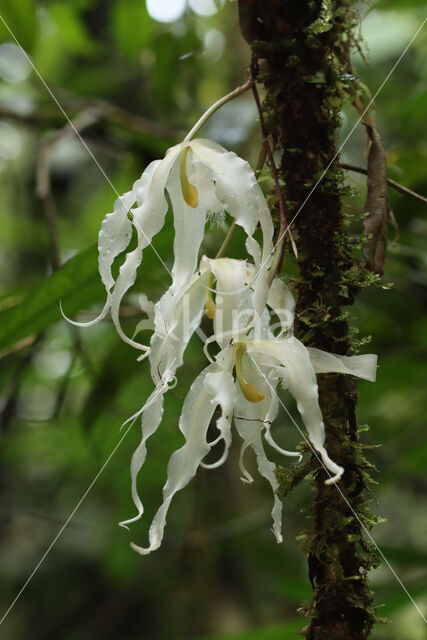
<point x="217" y="105"/>
<point x="227" y="240"/>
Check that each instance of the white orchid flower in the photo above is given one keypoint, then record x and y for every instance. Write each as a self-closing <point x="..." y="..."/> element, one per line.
<point x="241" y="382"/>
<point x="176" y="317"/>
<point x="201" y="179"/>
<point x="198" y="180"/>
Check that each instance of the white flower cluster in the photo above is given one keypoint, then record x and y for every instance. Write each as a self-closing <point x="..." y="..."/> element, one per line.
<point x="256" y="356"/>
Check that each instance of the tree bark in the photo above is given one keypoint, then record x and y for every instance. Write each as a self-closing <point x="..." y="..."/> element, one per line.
<point x="302" y="48"/>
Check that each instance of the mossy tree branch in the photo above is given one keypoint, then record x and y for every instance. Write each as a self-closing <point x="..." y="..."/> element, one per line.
<point x="303" y="52"/>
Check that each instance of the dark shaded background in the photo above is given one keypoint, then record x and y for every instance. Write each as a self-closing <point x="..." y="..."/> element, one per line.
<point x="136" y="84"/>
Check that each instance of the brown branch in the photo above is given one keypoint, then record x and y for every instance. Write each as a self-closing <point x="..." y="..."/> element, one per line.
<point x="376" y="204"/>
<point x="43" y="189"/>
<point x="9" y="395"/>
<point x="392" y="183"/>
<point x="290" y="478"/>
<point x="18" y="346"/>
<point x="108" y="112"/>
<point x="301" y="117"/>
<point x="284" y="226"/>
<point x="43" y="182"/>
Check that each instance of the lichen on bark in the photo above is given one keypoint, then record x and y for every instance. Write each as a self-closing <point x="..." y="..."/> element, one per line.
<point x="303" y="51"/>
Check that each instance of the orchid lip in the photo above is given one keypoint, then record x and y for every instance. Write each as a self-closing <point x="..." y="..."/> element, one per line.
<point x="189" y="191"/>
<point x="249" y="391"/>
<point x="210" y="304"/>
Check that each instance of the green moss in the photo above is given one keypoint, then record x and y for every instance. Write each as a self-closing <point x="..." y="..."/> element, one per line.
<point x="307" y="75"/>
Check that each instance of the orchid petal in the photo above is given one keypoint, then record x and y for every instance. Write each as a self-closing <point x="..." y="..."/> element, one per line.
<point x="146" y="305"/>
<point x="151" y="419"/>
<point x="249" y="424"/>
<point x="144" y="325"/>
<point x="220" y="385"/>
<point x="175" y="324"/>
<point x="281" y="300"/>
<point x="178" y="312"/>
<point x="232" y="298"/>
<point x="114" y="236"/>
<point x="201" y="176"/>
<point x="148" y="219"/>
<point x="151" y="412"/>
<point x="364" y="366"/>
<point x="273" y="410"/>
<point x="195" y="418"/>
<point x="189" y="223"/>
<point x="302" y="384"/>
<point x="239" y="191"/>
<point x="261" y="329"/>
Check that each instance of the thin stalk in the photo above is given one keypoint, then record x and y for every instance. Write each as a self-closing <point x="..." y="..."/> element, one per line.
<point x="392" y="183"/>
<point x="217" y="105"/>
<point x="227" y="240"/>
<point x="276" y="265"/>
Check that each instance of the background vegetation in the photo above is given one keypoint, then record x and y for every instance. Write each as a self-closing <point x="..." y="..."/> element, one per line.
<point x="134" y="85"/>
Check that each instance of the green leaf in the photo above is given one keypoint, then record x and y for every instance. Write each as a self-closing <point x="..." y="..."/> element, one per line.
<point x="20" y="17"/>
<point x="71" y="30"/>
<point x="107" y="383"/>
<point x="76" y="284"/>
<point x="132" y="27"/>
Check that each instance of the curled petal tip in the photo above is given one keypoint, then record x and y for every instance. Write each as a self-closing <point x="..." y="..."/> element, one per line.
<point x="335" y="478"/>
<point x="278" y="536"/>
<point x="145" y="354"/>
<point x="99" y="317"/>
<point x="140" y="550"/>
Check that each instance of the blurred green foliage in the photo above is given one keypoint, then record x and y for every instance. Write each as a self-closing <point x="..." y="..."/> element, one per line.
<point x="65" y="393"/>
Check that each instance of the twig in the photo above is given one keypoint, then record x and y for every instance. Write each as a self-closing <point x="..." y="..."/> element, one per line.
<point x="283" y="220"/>
<point x="136" y="123"/>
<point x="9" y="395"/>
<point x="63" y="386"/>
<point x="376" y="205"/>
<point x="227" y="240"/>
<point x="43" y="182"/>
<point x="18" y="346"/>
<point x="83" y="120"/>
<point x="106" y="111"/>
<point x="392" y="183"/>
<point x="294" y="475"/>
<point x="27" y="118"/>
